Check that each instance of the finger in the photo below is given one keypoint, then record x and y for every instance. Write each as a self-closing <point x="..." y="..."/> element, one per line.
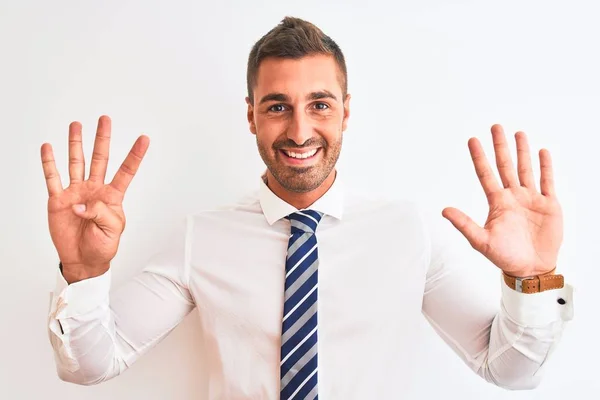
<point x="482" y="168"/>
<point x="503" y="159"/>
<point x="76" y="158"/>
<point x="477" y="236"/>
<point x="53" y="183"/>
<point x="131" y="164"/>
<point x="524" y="168"/>
<point x="101" y="150"/>
<point x="102" y="215"/>
<point x="547" y="174"/>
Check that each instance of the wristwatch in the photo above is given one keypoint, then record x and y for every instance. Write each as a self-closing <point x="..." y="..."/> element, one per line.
<point x="536" y="283"/>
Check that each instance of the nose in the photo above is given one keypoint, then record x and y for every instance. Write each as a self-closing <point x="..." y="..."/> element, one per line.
<point x="300" y="128"/>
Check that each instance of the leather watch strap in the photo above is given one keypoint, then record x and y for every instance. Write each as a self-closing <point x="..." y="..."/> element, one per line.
<point x="535" y="284"/>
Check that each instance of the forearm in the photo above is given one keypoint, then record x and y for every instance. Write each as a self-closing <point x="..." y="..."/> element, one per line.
<point x="515" y="354"/>
<point x="86" y="353"/>
<point x="82" y="333"/>
<point x="523" y="335"/>
<point x="506" y="346"/>
<point x="102" y="336"/>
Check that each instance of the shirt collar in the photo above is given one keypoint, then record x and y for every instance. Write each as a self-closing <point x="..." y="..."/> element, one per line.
<point x="274" y="208"/>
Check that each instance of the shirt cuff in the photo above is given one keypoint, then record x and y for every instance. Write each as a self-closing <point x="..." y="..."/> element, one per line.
<point x="80" y="297"/>
<point x="538" y="309"/>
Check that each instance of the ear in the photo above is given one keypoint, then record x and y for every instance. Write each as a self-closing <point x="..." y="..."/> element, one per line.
<point x="250" y="116"/>
<point x="346" y="112"/>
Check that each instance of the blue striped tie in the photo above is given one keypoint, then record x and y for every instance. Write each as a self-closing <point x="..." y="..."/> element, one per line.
<point x="299" y="331"/>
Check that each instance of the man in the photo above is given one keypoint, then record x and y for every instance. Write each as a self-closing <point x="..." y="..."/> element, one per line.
<point x="304" y="289"/>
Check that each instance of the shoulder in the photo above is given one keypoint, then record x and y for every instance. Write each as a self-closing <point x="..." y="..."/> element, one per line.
<point x="401" y="214"/>
<point x="248" y="203"/>
<point x="384" y="207"/>
<point x="244" y="211"/>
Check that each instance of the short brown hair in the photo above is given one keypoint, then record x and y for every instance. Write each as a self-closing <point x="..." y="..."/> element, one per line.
<point x="293" y="38"/>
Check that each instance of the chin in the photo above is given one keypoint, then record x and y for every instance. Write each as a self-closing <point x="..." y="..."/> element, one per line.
<point x="301" y="180"/>
<point x="300" y="188"/>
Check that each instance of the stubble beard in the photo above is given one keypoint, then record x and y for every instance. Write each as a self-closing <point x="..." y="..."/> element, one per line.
<point x="300" y="179"/>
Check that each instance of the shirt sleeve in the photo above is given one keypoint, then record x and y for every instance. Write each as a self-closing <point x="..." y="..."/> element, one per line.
<point x="504" y="336"/>
<point x="97" y="333"/>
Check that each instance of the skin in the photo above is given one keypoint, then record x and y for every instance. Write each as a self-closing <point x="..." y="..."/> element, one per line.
<point x="523" y="231"/>
<point x="299" y="106"/>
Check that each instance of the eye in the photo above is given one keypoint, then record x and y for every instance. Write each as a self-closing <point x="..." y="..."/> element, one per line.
<point x="321" y="106"/>
<point x="277" y="108"/>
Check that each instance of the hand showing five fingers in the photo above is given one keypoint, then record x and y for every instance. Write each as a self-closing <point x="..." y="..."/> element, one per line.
<point x="524" y="228"/>
<point x="86" y="219"/>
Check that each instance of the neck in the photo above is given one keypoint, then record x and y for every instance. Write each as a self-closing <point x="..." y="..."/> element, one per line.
<point x="300" y="200"/>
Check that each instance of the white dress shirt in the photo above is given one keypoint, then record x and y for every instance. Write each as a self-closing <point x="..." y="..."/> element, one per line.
<point x="382" y="267"/>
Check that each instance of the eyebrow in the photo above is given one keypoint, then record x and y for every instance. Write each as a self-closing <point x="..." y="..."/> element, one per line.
<point x="322" y="94"/>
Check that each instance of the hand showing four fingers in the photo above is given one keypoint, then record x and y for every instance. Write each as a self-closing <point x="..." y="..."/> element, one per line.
<point x="86" y="219"/>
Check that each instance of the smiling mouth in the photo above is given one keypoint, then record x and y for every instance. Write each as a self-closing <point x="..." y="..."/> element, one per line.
<point x="300" y="155"/>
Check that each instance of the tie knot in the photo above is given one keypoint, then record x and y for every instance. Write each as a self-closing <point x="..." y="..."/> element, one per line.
<point x="304" y="221"/>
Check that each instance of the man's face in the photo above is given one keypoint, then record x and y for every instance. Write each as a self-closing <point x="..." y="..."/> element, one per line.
<point x="298" y="118"/>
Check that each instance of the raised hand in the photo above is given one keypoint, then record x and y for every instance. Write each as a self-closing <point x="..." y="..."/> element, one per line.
<point x="86" y="219"/>
<point x="524" y="228"/>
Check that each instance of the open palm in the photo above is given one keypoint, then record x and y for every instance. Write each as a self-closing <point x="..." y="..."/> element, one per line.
<point x="86" y="219"/>
<point x="523" y="232"/>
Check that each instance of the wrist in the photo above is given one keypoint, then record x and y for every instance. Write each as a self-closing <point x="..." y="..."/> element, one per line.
<point x="530" y="273"/>
<point x="534" y="283"/>
<point x="78" y="272"/>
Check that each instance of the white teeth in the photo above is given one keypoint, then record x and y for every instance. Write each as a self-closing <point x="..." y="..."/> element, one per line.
<point x="300" y="155"/>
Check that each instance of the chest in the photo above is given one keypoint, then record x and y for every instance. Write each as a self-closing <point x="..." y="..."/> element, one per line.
<point x="238" y="279"/>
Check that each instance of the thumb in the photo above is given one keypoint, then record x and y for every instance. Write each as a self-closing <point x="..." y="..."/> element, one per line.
<point x="476" y="235"/>
<point x="100" y="214"/>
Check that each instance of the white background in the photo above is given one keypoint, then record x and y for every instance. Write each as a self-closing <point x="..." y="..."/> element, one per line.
<point x="424" y="76"/>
